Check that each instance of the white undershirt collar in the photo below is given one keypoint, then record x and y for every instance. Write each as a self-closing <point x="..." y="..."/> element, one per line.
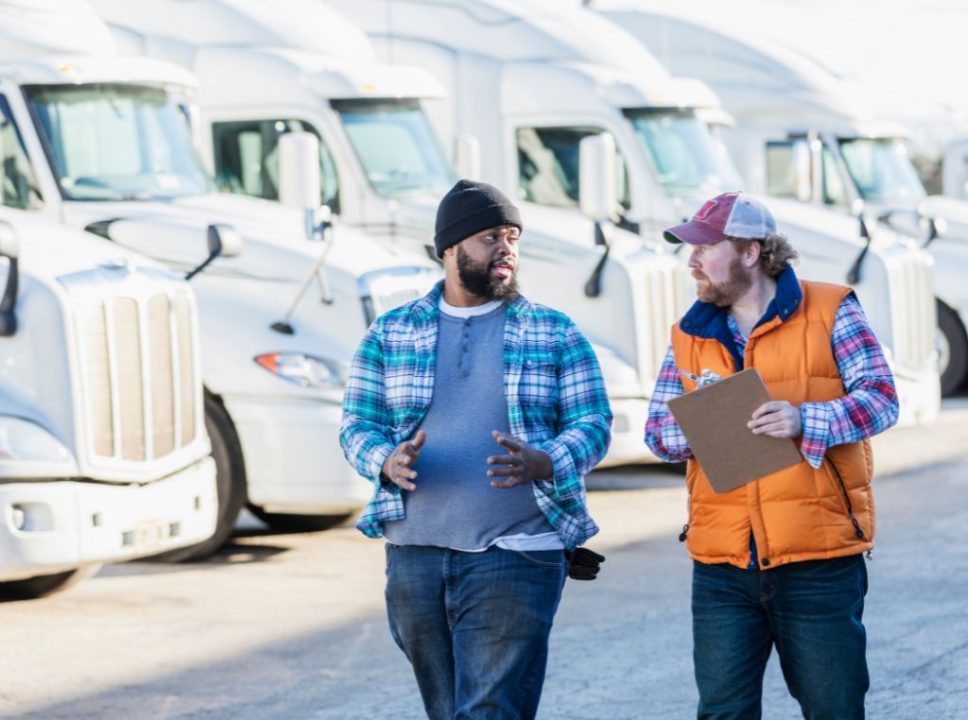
<point x="468" y="312"/>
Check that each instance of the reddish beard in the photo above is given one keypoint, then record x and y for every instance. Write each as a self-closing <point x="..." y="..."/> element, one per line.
<point x="728" y="292"/>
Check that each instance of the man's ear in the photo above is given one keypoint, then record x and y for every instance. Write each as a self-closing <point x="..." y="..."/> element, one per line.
<point x="751" y="253"/>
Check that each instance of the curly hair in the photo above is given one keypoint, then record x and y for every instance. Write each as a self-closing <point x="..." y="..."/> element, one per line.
<point x="776" y="252"/>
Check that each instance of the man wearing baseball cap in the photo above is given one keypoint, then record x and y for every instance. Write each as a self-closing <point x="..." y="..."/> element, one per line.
<point x="779" y="561"/>
<point x="476" y="414"/>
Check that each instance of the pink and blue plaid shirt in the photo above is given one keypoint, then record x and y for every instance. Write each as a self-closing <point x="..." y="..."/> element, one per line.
<point x="868" y="407"/>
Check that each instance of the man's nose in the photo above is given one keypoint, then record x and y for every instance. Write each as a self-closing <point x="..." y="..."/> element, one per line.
<point x="694" y="258"/>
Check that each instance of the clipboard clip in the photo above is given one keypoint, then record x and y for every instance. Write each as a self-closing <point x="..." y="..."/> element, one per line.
<point x="707" y="377"/>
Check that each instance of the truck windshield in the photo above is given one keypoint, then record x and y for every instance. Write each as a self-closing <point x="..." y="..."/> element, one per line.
<point x="395" y="145"/>
<point x="117" y="142"/>
<point x="686" y="158"/>
<point x="881" y="169"/>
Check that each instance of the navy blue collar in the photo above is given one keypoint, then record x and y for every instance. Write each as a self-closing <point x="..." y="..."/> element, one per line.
<point x="706" y="320"/>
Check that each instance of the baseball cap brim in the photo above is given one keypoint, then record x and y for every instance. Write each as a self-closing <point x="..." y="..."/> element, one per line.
<point x="692" y="232"/>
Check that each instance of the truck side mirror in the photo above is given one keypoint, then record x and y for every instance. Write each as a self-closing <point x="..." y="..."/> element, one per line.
<point x="224" y="241"/>
<point x="10" y="249"/>
<point x="300" y="181"/>
<point x="597" y="195"/>
<point x="467" y="157"/>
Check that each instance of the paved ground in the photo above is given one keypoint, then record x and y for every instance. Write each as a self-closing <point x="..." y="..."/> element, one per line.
<point x="292" y="626"/>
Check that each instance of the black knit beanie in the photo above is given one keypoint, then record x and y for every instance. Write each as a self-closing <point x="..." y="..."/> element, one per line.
<point x="468" y="208"/>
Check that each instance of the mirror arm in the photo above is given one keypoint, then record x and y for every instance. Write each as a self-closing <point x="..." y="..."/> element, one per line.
<point x="853" y="275"/>
<point x="8" y="318"/>
<point x="208" y="261"/>
<point x="593" y="288"/>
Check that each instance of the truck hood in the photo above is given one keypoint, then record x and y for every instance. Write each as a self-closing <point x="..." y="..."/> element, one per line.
<point x="275" y="245"/>
<point x="49" y="250"/>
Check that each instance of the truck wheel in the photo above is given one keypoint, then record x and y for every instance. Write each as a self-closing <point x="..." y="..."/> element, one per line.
<point x="229" y="481"/>
<point x="41" y="585"/>
<point x="952" y="345"/>
<point x="287" y="523"/>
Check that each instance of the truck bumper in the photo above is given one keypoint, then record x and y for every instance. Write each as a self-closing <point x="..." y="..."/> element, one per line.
<point x="919" y="396"/>
<point x="293" y="459"/>
<point x="49" y="527"/>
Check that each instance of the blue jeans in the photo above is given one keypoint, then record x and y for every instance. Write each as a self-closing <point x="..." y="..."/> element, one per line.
<point x="474" y="626"/>
<point x="811" y="611"/>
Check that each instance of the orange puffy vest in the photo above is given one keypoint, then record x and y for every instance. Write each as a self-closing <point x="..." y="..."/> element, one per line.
<point x="799" y="513"/>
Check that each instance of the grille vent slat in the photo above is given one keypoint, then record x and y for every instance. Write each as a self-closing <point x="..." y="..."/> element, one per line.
<point x="186" y="369"/>
<point x="128" y="348"/>
<point x="162" y="371"/>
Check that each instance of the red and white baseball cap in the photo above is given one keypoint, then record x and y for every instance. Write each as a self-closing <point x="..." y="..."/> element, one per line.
<point x="730" y="215"/>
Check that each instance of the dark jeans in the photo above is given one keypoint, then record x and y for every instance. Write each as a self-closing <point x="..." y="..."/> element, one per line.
<point x="474" y="626"/>
<point x="811" y="611"/>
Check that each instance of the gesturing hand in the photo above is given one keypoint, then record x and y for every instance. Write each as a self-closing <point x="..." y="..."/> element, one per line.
<point x="523" y="464"/>
<point x="398" y="467"/>
<point x="776" y="418"/>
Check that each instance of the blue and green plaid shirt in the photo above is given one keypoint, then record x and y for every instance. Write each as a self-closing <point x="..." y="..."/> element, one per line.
<point x="555" y="395"/>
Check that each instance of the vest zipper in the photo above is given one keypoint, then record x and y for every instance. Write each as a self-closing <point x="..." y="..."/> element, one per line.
<point x="685" y="528"/>
<point x="858" y="532"/>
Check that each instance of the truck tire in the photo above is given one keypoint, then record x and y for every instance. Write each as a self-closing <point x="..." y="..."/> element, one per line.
<point x="229" y="481"/>
<point x="42" y="585"/>
<point x="953" y="346"/>
<point x="288" y="523"/>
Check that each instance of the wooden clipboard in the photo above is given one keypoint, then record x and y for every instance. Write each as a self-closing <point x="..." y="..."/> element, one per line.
<point x="713" y="419"/>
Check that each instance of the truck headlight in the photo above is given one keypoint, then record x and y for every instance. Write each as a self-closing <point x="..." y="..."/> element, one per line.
<point x="305" y="370"/>
<point x="23" y="440"/>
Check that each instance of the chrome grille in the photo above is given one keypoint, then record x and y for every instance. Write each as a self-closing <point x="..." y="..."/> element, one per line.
<point x="913" y="312"/>
<point x="383" y="291"/>
<point x="387" y="301"/>
<point x="137" y="364"/>
<point x="668" y="298"/>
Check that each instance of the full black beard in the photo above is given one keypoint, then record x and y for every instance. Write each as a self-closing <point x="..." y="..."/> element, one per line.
<point x="477" y="279"/>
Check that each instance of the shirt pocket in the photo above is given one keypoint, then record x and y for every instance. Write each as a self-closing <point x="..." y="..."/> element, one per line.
<point x="539" y="390"/>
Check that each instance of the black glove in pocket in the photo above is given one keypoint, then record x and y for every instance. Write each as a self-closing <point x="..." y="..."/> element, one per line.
<point x="583" y="564"/>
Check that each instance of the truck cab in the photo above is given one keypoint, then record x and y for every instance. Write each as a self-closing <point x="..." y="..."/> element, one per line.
<point x="532" y="79"/>
<point x="104" y="455"/>
<point x="384" y="169"/>
<point x="109" y="144"/>
<point x="803" y="134"/>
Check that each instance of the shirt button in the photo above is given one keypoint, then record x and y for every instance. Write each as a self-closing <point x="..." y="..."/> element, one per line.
<point x="766" y="562"/>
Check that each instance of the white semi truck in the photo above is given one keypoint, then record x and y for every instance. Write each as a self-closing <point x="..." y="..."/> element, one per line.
<point x="531" y="79"/>
<point x="108" y="141"/>
<point x="261" y="74"/>
<point x="103" y="451"/>
<point x="803" y="133"/>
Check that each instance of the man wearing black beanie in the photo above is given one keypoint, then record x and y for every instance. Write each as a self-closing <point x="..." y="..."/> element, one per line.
<point x="476" y="414"/>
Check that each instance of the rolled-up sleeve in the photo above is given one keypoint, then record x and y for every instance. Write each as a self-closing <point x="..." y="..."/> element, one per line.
<point x="662" y="432"/>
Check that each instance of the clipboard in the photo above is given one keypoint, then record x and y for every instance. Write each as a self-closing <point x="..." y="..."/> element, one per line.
<point x="713" y="419"/>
